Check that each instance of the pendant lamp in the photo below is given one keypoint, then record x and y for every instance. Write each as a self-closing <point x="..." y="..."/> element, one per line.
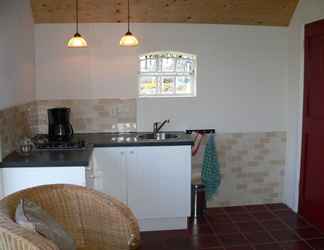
<point x="77" y="41"/>
<point x="128" y="40"/>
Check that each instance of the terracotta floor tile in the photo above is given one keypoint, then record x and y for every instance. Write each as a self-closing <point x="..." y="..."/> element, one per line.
<point x="262" y="216"/>
<point x="249" y="227"/>
<point x="222" y="229"/>
<point x="260" y="227"/>
<point x="258" y="238"/>
<point x="274" y="225"/>
<point x="231" y="240"/>
<point x="271" y="246"/>
<point x="200" y="229"/>
<point x="295" y="222"/>
<point x="309" y="233"/>
<point x="216" y="210"/>
<point x="206" y="241"/>
<point x="235" y="210"/>
<point x="257" y="208"/>
<point x="243" y="217"/>
<point x="317" y="244"/>
<point x="284" y="235"/>
<point x="239" y="248"/>
<point x="219" y="218"/>
<point x="298" y="245"/>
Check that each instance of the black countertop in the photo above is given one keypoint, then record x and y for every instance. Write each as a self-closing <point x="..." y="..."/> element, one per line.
<point x="45" y="158"/>
<point x="81" y="157"/>
<point x="132" y="140"/>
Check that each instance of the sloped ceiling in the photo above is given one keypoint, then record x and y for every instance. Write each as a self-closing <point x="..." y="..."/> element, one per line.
<point x="244" y="12"/>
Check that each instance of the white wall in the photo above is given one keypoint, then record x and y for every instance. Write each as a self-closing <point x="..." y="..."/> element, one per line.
<point x="242" y="72"/>
<point x="16" y="53"/>
<point x="307" y="11"/>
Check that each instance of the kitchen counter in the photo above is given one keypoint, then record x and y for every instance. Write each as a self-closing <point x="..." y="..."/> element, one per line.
<point x="132" y="140"/>
<point x="44" y="158"/>
<point x="81" y="157"/>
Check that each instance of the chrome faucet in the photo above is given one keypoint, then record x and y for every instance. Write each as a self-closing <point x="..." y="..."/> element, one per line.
<point x="157" y="126"/>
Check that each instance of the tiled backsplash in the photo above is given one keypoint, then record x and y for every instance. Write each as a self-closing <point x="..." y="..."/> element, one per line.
<point x="252" y="167"/>
<point x="98" y="115"/>
<point x="16" y="122"/>
<point x="252" y="164"/>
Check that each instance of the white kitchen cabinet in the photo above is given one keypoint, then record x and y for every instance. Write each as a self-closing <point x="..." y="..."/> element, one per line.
<point x="153" y="181"/>
<point x="16" y="179"/>
<point x="110" y="172"/>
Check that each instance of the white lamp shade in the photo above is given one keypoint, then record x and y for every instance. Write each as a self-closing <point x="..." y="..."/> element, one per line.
<point x="128" y="40"/>
<point x="77" y="41"/>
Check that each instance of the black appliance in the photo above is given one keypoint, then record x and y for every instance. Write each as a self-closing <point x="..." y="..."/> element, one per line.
<point x="70" y="145"/>
<point x="59" y="126"/>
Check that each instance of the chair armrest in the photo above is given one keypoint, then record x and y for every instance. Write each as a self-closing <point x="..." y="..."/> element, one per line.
<point x="116" y="218"/>
<point x="13" y="236"/>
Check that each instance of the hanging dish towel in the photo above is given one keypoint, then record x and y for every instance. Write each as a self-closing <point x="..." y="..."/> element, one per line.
<point x="210" y="173"/>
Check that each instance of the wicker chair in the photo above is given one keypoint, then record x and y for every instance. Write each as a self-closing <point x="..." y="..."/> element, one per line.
<point x="94" y="220"/>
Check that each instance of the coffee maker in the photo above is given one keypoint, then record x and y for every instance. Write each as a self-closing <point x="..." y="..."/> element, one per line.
<point x="59" y="126"/>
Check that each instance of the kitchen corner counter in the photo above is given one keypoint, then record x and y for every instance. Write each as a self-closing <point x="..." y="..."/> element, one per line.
<point x="82" y="157"/>
<point x="44" y="158"/>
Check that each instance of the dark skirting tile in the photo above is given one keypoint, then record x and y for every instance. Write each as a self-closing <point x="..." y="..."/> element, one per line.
<point x="250" y="227"/>
<point x="285" y="235"/>
<point x="258" y="238"/>
<point x="317" y="244"/>
<point x="285" y="213"/>
<point x="277" y="206"/>
<point x="231" y="240"/>
<point x="298" y="245"/>
<point x="309" y="233"/>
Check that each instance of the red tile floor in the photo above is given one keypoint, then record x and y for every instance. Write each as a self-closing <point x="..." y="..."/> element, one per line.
<point x="265" y="227"/>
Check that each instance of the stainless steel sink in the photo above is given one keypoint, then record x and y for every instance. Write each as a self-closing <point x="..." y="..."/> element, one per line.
<point x="157" y="136"/>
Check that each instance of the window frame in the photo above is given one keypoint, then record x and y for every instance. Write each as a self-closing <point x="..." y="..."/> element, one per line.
<point x="160" y="75"/>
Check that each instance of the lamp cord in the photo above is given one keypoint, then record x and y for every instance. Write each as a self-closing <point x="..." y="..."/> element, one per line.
<point x="77" y="15"/>
<point x="128" y="17"/>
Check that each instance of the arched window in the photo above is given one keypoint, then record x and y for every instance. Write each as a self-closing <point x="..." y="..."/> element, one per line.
<point x="167" y="74"/>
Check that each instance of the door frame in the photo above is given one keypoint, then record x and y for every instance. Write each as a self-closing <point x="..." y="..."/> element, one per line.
<point x="299" y="159"/>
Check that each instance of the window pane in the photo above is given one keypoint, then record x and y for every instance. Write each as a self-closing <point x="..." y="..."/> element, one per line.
<point x="184" y="65"/>
<point x="148" y="85"/>
<point x="183" y="85"/>
<point x="148" y="65"/>
<point x="167" y="85"/>
<point x="168" y="64"/>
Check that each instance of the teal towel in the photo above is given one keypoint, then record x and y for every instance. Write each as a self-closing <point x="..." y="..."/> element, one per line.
<point x="210" y="173"/>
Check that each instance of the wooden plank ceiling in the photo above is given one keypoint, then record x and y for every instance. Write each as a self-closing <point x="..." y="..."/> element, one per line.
<point x="245" y="12"/>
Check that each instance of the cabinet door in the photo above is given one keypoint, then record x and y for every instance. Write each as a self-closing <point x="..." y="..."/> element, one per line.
<point x="110" y="163"/>
<point x="16" y="179"/>
<point x="159" y="182"/>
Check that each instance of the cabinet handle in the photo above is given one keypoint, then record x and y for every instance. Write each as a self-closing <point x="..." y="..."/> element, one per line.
<point x="132" y="152"/>
<point x="122" y="153"/>
<point x="93" y="176"/>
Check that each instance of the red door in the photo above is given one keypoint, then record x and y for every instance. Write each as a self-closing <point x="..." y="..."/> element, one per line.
<point x="311" y="203"/>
